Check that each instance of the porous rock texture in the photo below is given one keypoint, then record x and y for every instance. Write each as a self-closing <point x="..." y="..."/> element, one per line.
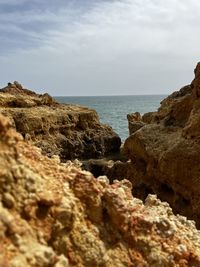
<point x="70" y="131"/>
<point x="53" y="214"/>
<point x="165" y="151"/>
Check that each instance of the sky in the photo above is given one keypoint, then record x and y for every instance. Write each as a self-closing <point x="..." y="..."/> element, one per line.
<point x="99" y="47"/>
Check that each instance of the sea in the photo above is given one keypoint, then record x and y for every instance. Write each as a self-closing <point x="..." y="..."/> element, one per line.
<point x="113" y="110"/>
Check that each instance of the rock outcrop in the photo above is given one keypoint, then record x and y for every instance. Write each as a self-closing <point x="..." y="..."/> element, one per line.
<point x="52" y="214"/>
<point x="69" y="131"/>
<point x="165" y="151"/>
<point x="134" y="122"/>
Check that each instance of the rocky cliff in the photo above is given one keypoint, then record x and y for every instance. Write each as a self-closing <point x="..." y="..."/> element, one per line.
<point x="164" y="149"/>
<point x="69" y="131"/>
<point x="54" y="214"/>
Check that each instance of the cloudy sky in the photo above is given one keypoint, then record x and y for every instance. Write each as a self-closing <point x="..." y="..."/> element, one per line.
<point x="99" y="47"/>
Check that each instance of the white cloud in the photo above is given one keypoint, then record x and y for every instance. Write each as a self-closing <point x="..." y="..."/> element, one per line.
<point x="116" y="47"/>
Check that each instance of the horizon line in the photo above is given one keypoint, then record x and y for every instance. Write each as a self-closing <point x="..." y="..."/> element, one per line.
<point x="108" y="95"/>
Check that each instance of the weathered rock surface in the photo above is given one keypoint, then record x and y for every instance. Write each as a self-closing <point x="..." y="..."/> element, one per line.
<point x="69" y="131"/>
<point x="134" y="122"/>
<point x="52" y="214"/>
<point x="165" y="151"/>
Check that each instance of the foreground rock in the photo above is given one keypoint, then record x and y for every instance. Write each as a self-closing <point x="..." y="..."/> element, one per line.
<point x="165" y="151"/>
<point x="69" y="131"/>
<point x="55" y="215"/>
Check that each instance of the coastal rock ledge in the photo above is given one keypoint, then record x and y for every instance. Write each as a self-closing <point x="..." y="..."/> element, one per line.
<point x="164" y="148"/>
<point x="52" y="214"/>
<point x="69" y="131"/>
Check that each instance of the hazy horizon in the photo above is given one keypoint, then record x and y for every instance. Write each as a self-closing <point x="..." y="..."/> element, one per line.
<point x="93" y="47"/>
<point x="108" y="95"/>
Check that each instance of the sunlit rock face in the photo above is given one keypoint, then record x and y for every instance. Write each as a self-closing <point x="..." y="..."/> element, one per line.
<point x="70" y="131"/>
<point x="55" y="214"/>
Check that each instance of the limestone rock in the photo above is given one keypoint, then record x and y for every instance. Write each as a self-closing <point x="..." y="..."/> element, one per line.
<point x="134" y="122"/>
<point x="16" y="88"/>
<point x="63" y="216"/>
<point x="165" y="151"/>
<point x="69" y="131"/>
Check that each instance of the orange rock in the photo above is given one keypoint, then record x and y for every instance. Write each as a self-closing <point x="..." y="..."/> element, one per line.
<point x="63" y="216"/>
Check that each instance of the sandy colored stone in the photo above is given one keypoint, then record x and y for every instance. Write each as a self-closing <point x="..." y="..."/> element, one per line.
<point x="134" y="122"/>
<point x="165" y="152"/>
<point x="63" y="216"/>
<point x="69" y="131"/>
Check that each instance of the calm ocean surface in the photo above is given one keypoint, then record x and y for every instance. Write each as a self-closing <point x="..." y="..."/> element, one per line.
<point x="113" y="110"/>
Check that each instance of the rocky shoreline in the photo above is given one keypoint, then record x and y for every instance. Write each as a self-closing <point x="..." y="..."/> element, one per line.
<point x="53" y="213"/>
<point x="69" y="131"/>
<point x="163" y="151"/>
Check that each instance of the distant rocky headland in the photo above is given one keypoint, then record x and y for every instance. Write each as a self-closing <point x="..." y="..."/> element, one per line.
<point x="53" y="213"/>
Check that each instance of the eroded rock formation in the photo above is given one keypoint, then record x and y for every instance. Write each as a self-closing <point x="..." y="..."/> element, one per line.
<point x="134" y="122"/>
<point x="69" y="131"/>
<point x="55" y="215"/>
<point x="165" y="151"/>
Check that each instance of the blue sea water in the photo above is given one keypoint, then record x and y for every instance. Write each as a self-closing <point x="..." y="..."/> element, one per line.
<point x="113" y="110"/>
